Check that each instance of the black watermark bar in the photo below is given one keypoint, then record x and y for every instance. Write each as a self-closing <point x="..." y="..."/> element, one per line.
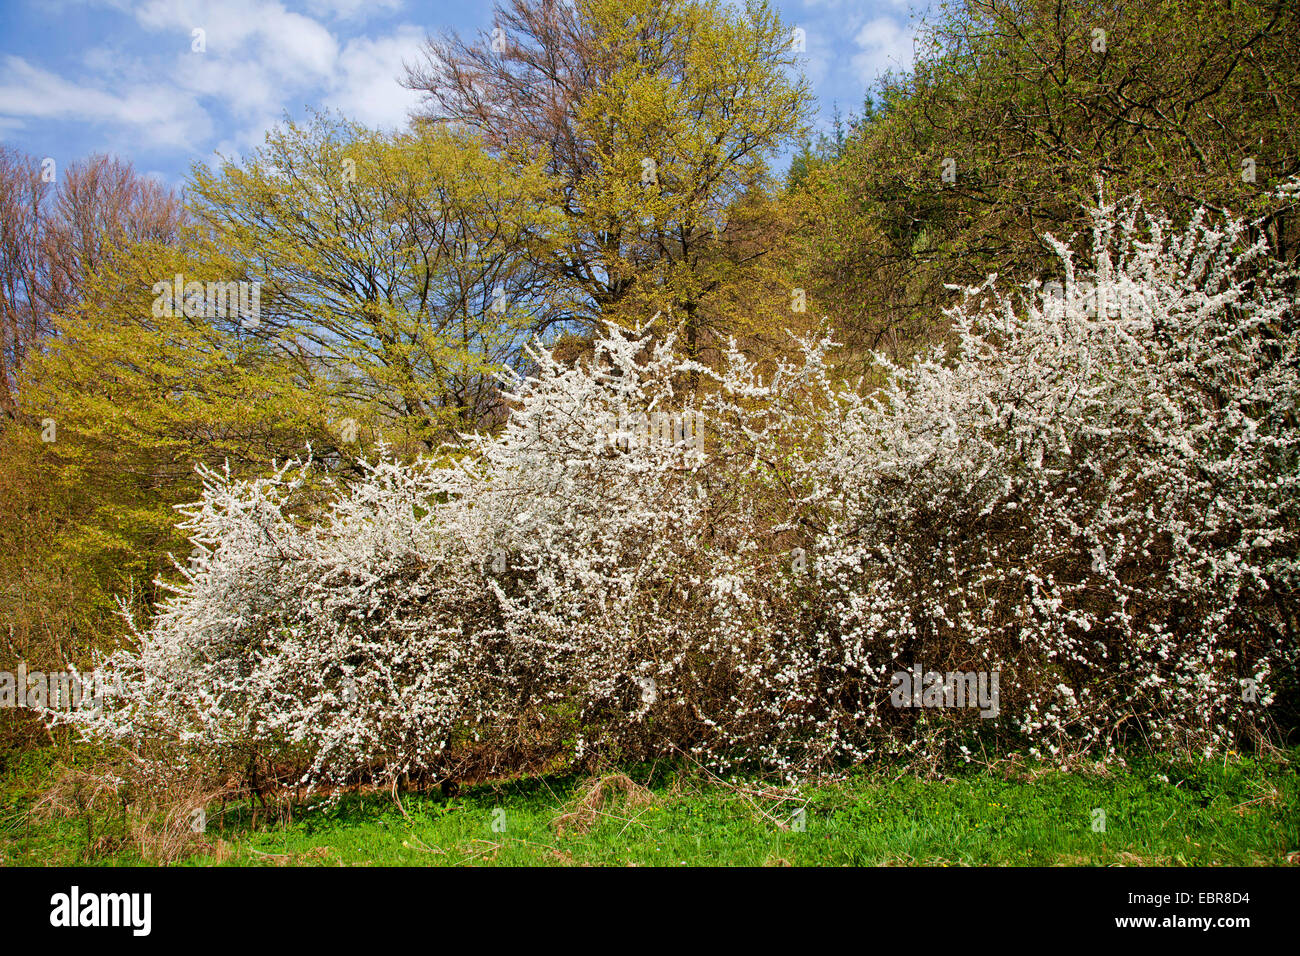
<point x="304" y="905"/>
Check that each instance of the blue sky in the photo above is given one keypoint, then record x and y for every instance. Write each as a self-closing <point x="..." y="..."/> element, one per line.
<point x="84" y="76"/>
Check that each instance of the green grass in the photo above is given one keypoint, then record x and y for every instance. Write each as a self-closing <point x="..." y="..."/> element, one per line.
<point x="1239" y="811"/>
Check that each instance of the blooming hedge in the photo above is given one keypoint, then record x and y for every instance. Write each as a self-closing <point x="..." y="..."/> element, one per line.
<point x="1091" y="494"/>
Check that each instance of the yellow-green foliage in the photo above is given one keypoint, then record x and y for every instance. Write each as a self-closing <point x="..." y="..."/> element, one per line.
<point x="393" y="264"/>
<point x="692" y="101"/>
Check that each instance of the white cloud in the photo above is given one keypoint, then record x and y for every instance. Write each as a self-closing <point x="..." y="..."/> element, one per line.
<point x="252" y="33"/>
<point x="366" y="86"/>
<point x="260" y="60"/>
<point x="353" y="9"/>
<point x="856" y="5"/>
<point x="883" y="44"/>
<point x="158" y="112"/>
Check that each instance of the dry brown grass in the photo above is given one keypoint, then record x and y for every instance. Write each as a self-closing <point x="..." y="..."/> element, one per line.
<point x="597" y="799"/>
<point x="163" y="815"/>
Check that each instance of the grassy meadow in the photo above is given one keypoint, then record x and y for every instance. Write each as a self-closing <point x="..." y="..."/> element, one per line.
<point x="1241" y="812"/>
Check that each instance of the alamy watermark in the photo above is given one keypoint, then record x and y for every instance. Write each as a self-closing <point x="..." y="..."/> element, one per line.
<point x="1098" y="300"/>
<point x="75" y="908"/>
<point x="684" y="430"/>
<point x="56" y="690"/>
<point x="915" y="688"/>
<point x="208" y="300"/>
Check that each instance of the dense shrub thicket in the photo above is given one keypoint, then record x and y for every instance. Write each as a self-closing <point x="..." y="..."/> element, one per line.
<point x="1093" y="494"/>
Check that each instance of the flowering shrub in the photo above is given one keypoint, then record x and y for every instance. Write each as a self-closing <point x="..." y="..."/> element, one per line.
<point x="1093" y="495"/>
